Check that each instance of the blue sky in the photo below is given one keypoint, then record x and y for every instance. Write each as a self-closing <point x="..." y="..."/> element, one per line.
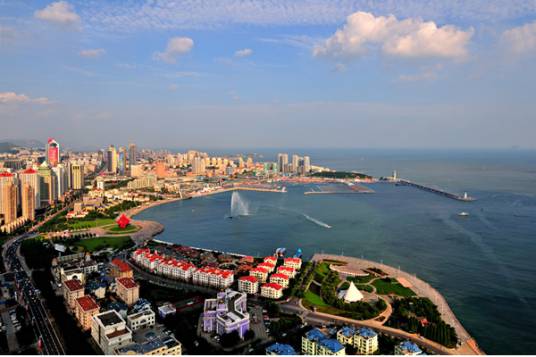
<point x="239" y="73"/>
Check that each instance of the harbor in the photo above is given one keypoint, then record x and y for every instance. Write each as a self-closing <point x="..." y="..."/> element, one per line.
<point x="464" y="198"/>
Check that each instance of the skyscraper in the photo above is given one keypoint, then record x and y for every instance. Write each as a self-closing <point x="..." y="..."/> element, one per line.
<point x="282" y="162"/>
<point x="30" y="177"/>
<point x="295" y="163"/>
<point x="77" y="175"/>
<point x="9" y="202"/>
<point x="53" y="152"/>
<point x="198" y="166"/>
<point x="132" y="155"/>
<point x="7" y="179"/>
<point x="306" y="164"/>
<point x="47" y="184"/>
<point x="122" y="161"/>
<point x="61" y="181"/>
<point x="111" y="159"/>
<point x="28" y="201"/>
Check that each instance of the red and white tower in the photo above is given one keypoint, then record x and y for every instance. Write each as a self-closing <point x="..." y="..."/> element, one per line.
<point x="53" y="152"/>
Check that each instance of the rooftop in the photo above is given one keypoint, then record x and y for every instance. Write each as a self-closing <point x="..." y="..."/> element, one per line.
<point x="272" y="286"/>
<point x="331" y="344"/>
<point x="367" y="332"/>
<point x="347" y="331"/>
<point x="121" y="265"/>
<point x="280" y="276"/>
<point x="109" y="318"/>
<point x="315" y="335"/>
<point x="128" y="283"/>
<point x="249" y="278"/>
<point x="73" y="284"/>
<point x="87" y="303"/>
<point x="410" y="347"/>
<point x="281" y="349"/>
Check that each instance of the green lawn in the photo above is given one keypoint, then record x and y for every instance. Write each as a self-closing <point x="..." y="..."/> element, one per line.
<point x="321" y="270"/>
<point x="360" y="279"/>
<point x="391" y="286"/>
<point x="94" y="244"/>
<point x="81" y="224"/>
<point x="314" y="299"/>
<point x="364" y="287"/>
<point x="128" y="229"/>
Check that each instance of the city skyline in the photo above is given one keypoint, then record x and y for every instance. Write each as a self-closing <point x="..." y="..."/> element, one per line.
<point x="264" y="75"/>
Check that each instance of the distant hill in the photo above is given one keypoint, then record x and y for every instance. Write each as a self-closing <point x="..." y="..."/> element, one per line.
<point x="6" y="147"/>
<point x="27" y="143"/>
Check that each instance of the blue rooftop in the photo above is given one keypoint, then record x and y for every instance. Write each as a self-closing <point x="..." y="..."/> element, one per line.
<point x="315" y="335"/>
<point x="367" y="332"/>
<point x="347" y="331"/>
<point x="281" y="349"/>
<point x="331" y="344"/>
<point x="410" y="347"/>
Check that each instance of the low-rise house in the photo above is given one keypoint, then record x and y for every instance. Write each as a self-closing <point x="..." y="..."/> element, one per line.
<point x="248" y="284"/>
<point x="280" y="279"/>
<point x="295" y="263"/>
<point x="272" y="291"/>
<point x="260" y="273"/>
<point x="291" y="272"/>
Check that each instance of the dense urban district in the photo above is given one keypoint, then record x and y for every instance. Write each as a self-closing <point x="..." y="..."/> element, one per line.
<point x="82" y="276"/>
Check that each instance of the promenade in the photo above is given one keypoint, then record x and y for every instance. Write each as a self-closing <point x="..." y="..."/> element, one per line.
<point x="420" y="287"/>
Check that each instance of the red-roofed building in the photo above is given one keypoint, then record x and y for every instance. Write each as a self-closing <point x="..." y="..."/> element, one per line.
<point x="218" y="278"/>
<point x="120" y="269"/>
<point x="85" y="309"/>
<point x="260" y="273"/>
<point x="268" y="266"/>
<point x="280" y="279"/>
<point x="271" y="291"/>
<point x="270" y="259"/>
<point x="291" y="272"/>
<point x="295" y="263"/>
<point x="248" y="284"/>
<point x="127" y="290"/>
<point x="175" y="269"/>
<point x="72" y="290"/>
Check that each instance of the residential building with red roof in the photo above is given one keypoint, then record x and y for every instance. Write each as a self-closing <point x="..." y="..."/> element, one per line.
<point x="248" y="284"/>
<point x="72" y="290"/>
<point x="272" y="291"/>
<point x="260" y="273"/>
<point x="280" y="279"/>
<point x="127" y="290"/>
<point x="268" y="266"/>
<point x="85" y="309"/>
<point x="120" y="269"/>
<point x="295" y="263"/>
<point x="291" y="272"/>
<point x="270" y="259"/>
<point x="209" y="276"/>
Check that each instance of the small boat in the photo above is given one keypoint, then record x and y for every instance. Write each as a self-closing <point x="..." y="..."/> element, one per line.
<point x="463" y="214"/>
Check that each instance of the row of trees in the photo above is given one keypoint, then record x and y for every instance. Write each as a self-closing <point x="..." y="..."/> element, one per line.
<point x="420" y="315"/>
<point x="301" y="283"/>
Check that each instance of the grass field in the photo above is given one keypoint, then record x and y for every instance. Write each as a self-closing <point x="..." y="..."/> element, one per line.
<point x="360" y="279"/>
<point x="99" y="222"/>
<point x="391" y="286"/>
<point x="321" y="270"/>
<point x="128" y="229"/>
<point x="314" y="299"/>
<point x="364" y="287"/>
<point x="94" y="244"/>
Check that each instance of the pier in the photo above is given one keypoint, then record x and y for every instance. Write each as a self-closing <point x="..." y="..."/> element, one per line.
<point x="347" y="189"/>
<point x="464" y="197"/>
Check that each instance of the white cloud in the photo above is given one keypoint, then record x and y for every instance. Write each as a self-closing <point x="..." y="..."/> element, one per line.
<point x="176" y="47"/>
<point x="246" y="52"/>
<point x="401" y="38"/>
<point x="92" y="53"/>
<point x="59" y="12"/>
<point x="520" y="40"/>
<point x="14" y="98"/>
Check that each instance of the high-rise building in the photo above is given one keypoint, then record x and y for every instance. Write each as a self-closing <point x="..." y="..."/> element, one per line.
<point x="53" y="152"/>
<point x="30" y="177"/>
<point x="47" y="184"/>
<point x="198" y="166"/>
<point x="306" y="164"/>
<point x="132" y="155"/>
<point x="160" y="169"/>
<point x="111" y="159"/>
<point x="295" y="163"/>
<point x="122" y="161"/>
<point x="61" y="181"/>
<point x="28" y="201"/>
<point x="282" y="162"/>
<point x="6" y="179"/>
<point x="9" y="202"/>
<point x="77" y="176"/>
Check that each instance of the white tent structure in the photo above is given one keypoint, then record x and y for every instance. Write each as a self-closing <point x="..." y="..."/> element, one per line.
<point x="352" y="294"/>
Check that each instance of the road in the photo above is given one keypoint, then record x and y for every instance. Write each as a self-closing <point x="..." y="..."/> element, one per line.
<point x="30" y="296"/>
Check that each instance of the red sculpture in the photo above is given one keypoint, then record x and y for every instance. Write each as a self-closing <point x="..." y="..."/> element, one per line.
<point x="123" y="221"/>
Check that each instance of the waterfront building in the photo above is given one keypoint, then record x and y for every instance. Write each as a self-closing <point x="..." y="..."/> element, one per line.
<point x="85" y="308"/>
<point x="260" y="273"/>
<point x="72" y="290"/>
<point x="128" y="290"/>
<point x="77" y="175"/>
<point x="147" y="181"/>
<point x="226" y="313"/>
<point x="268" y="266"/>
<point x="270" y="259"/>
<point x="295" y="263"/>
<point x="141" y="320"/>
<point x="9" y="202"/>
<point x="280" y="349"/>
<point x="282" y="162"/>
<point x="29" y="176"/>
<point x="280" y="279"/>
<point x="291" y="272"/>
<point x="407" y="348"/>
<point x="272" y="291"/>
<point x="218" y="278"/>
<point x="295" y="163"/>
<point x="176" y="269"/>
<point x="120" y="269"/>
<point x="53" y="152"/>
<point x="315" y="342"/>
<point x="248" y="284"/>
<point x="28" y="202"/>
<point x="110" y="332"/>
<point x="111" y="159"/>
<point x="306" y="165"/>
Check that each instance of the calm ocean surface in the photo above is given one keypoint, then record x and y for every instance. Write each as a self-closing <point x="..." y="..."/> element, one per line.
<point x="484" y="264"/>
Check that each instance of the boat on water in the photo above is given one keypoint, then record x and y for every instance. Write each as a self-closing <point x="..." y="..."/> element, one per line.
<point x="463" y="214"/>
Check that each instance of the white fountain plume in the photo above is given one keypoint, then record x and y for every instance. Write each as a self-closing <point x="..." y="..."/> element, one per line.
<point x="239" y="207"/>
